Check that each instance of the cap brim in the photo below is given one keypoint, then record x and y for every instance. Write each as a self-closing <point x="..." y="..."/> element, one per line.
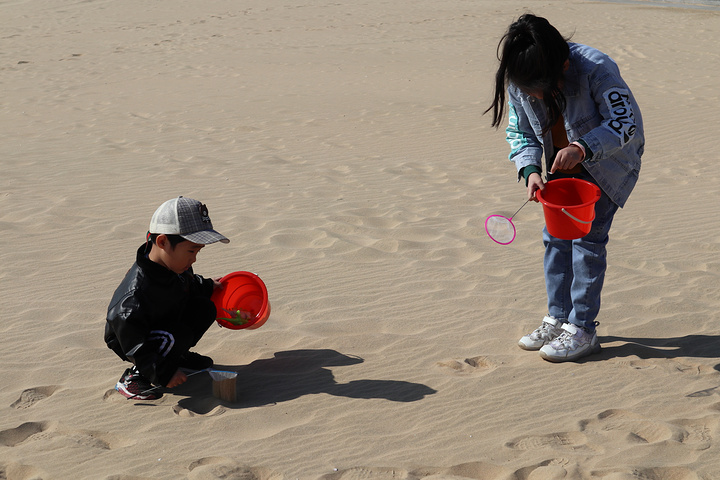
<point x="205" y="237"/>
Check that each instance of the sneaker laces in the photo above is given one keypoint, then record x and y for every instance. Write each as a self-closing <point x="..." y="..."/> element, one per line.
<point x="544" y="330"/>
<point x="565" y="341"/>
<point x="568" y="340"/>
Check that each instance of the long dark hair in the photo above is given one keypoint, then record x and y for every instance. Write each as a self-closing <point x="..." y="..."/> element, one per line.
<point x="532" y="56"/>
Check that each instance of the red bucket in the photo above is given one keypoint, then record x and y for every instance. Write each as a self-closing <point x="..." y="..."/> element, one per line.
<point x="242" y="293"/>
<point x="569" y="207"/>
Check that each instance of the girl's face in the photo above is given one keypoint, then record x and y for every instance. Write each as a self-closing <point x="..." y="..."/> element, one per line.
<point x="176" y="259"/>
<point x="538" y="93"/>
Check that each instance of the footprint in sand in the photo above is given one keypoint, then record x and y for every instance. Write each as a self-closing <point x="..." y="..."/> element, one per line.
<point x="17" y="470"/>
<point x="660" y="473"/>
<point x="470" y="366"/>
<point x="698" y="432"/>
<point x="627" y="427"/>
<point x="553" y="469"/>
<point x="221" y="467"/>
<point x="358" y="473"/>
<point x="471" y="470"/>
<point x="671" y="366"/>
<point x="114" y="396"/>
<point x="16" y="436"/>
<point x="567" y="441"/>
<point x="204" y="407"/>
<point x="94" y="439"/>
<point x="630" y="428"/>
<point x="36" y="431"/>
<point x="31" y="396"/>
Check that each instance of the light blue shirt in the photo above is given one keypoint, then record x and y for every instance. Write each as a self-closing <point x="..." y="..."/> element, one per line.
<point x="601" y="110"/>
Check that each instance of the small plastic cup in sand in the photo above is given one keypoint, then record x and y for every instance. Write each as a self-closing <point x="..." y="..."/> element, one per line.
<point x="224" y="384"/>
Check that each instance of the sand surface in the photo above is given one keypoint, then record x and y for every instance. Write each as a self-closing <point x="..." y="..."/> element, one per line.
<point x="341" y="147"/>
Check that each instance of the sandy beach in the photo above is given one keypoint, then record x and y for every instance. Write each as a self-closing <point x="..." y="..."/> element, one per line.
<point x="341" y="147"/>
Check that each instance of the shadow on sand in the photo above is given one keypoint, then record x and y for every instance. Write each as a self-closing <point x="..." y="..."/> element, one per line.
<point x="700" y="346"/>
<point x="291" y="374"/>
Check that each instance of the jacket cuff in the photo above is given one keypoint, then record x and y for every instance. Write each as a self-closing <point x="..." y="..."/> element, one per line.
<point x="528" y="170"/>
<point x="586" y="148"/>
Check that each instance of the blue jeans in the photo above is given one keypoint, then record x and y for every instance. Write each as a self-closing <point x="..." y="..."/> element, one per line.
<point x="575" y="269"/>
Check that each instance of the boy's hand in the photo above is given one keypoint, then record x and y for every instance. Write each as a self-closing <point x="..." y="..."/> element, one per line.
<point x="534" y="184"/>
<point x="216" y="283"/>
<point x="178" y="379"/>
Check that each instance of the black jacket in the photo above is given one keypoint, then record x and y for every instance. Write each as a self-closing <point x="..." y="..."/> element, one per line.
<point x="156" y="315"/>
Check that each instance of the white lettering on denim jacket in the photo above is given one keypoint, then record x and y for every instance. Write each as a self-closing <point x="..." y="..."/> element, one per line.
<point x="622" y="119"/>
<point x="514" y="137"/>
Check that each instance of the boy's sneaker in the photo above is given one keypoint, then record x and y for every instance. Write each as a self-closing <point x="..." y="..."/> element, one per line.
<point x="135" y="386"/>
<point x="549" y="330"/>
<point x="574" y="343"/>
<point x="194" y="361"/>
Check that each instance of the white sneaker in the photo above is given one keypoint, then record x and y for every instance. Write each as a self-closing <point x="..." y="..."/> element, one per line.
<point x="574" y="343"/>
<point x="548" y="331"/>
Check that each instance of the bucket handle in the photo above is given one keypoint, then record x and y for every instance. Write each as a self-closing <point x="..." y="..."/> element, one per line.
<point x="577" y="219"/>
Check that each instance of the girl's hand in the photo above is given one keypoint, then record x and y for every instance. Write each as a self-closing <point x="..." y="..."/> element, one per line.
<point x="567" y="158"/>
<point x="216" y="283"/>
<point x="534" y="184"/>
<point x="178" y="379"/>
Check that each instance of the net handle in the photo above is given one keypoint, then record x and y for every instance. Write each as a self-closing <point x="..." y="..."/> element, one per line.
<point x="513" y="215"/>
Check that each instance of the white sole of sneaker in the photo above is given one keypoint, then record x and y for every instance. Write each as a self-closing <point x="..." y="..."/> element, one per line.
<point x="525" y="347"/>
<point x="572" y="358"/>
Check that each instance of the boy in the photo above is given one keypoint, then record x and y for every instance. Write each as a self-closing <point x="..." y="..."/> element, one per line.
<point x="161" y="308"/>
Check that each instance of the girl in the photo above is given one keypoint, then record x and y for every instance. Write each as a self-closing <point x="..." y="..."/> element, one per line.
<point x="568" y="102"/>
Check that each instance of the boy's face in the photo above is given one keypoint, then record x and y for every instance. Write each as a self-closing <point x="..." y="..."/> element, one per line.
<point x="177" y="259"/>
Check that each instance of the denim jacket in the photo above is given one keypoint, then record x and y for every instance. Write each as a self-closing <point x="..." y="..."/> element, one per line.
<point x="601" y="112"/>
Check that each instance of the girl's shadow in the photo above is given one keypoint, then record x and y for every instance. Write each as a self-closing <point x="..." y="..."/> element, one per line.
<point x="292" y="374"/>
<point x="699" y="346"/>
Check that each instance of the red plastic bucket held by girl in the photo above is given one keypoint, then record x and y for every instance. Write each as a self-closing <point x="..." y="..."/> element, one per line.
<point x="569" y="207"/>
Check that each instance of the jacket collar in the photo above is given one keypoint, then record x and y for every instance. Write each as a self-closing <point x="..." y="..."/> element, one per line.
<point x="154" y="270"/>
<point x="571" y="87"/>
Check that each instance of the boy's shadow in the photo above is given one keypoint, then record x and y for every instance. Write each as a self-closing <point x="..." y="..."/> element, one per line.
<point x="701" y="346"/>
<point x="292" y="374"/>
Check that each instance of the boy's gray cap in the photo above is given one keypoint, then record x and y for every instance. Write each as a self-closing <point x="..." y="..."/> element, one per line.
<point x="185" y="217"/>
